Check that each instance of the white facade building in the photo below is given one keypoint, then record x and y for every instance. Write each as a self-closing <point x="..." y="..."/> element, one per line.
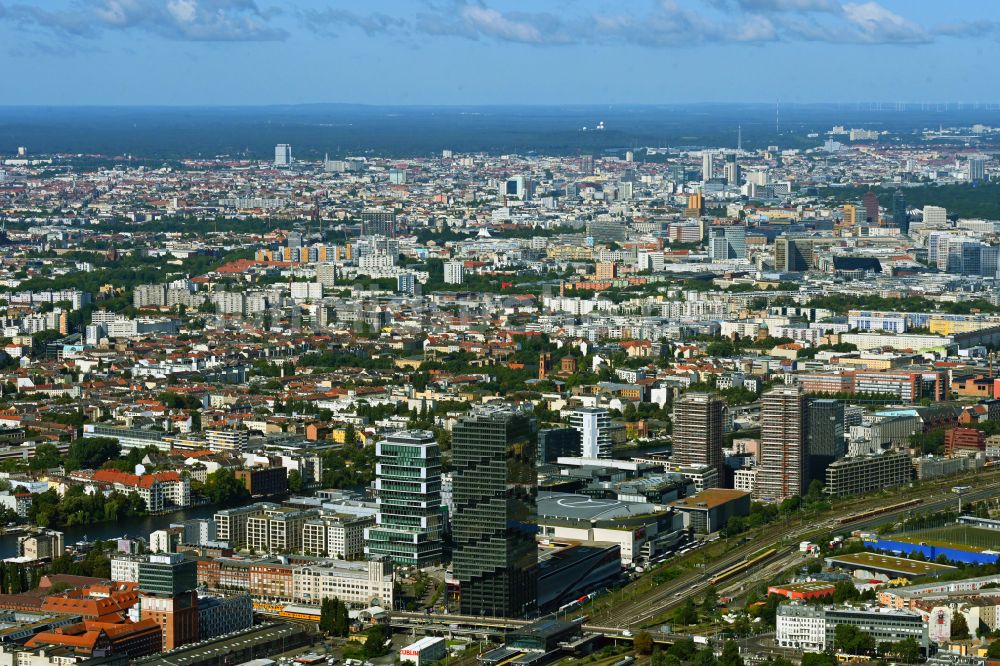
<point x="594" y="425"/>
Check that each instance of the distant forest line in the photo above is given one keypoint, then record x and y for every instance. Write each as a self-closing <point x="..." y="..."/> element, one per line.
<point x="339" y="130"/>
<point x="965" y="200"/>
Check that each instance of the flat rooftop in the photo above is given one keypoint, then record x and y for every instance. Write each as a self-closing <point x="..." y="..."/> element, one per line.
<point x="217" y="648"/>
<point x="582" y="507"/>
<point x="809" y="586"/>
<point x="890" y="564"/>
<point x="709" y="498"/>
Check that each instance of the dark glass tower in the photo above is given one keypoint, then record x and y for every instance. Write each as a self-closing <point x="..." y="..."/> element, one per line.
<point x="557" y="442"/>
<point x="824" y="438"/>
<point x="495" y="558"/>
<point x="899" y="216"/>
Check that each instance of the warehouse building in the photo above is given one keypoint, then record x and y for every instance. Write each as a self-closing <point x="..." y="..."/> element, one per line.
<point x="709" y="511"/>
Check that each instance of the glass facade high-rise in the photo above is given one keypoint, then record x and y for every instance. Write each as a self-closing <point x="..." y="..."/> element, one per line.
<point x="793" y="255"/>
<point x="899" y="215"/>
<point x="824" y="438"/>
<point x="408" y="525"/>
<point x="870" y="202"/>
<point x="167" y="583"/>
<point x="168" y="574"/>
<point x="554" y="443"/>
<point x="727" y="242"/>
<point x="495" y="559"/>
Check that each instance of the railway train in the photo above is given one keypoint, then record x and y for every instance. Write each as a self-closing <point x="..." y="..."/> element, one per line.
<point x="854" y="517"/>
<point x="740" y="567"/>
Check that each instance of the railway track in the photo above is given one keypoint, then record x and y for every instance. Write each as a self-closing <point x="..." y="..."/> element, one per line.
<point x="934" y="497"/>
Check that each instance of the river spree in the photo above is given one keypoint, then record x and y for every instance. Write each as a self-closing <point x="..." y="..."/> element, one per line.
<point x="133" y="527"/>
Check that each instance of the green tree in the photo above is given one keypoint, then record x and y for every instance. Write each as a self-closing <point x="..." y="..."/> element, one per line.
<point x="705" y="657"/>
<point x="993" y="651"/>
<point x="730" y="655"/>
<point x="686" y="613"/>
<point x="91" y="453"/>
<point x="375" y="641"/>
<point x="683" y="649"/>
<point x="295" y="481"/>
<point x="711" y="599"/>
<point x="221" y="487"/>
<point x="46" y="456"/>
<point x="643" y="643"/>
<point x="851" y="640"/>
<point x="907" y="650"/>
<point x="959" y="627"/>
<point x="350" y="435"/>
<point x="342" y="625"/>
<point x="327" y="616"/>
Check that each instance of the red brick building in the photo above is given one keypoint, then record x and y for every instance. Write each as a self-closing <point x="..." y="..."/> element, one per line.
<point x="964" y="439"/>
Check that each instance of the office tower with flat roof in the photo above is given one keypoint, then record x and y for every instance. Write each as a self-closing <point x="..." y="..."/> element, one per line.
<point x="518" y="187"/>
<point x="495" y="559"/>
<point x="406" y="283"/>
<point x="958" y="255"/>
<point x="935" y="216"/>
<point x="454" y="272"/>
<point x="782" y="438"/>
<point x="989" y="261"/>
<point x="697" y="433"/>
<point x="870" y="202"/>
<point x="555" y="443"/>
<point x="793" y="255"/>
<point x="594" y="426"/>
<point x="731" y="170"/>
<point x="825" y="442"/>
<point x="975" y="169"/>
<point x="408" y="526"/>
<point x="727" y="242"/>
<point x="708" y="159"/>
<point x="900" y="217"/>
<point x="282" y="154"/>
<point x="167" y="583"/>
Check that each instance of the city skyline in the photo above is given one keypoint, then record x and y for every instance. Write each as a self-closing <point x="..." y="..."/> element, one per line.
<point x="225" y="52"/>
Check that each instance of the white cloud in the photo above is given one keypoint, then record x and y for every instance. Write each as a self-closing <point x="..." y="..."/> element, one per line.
<point x="876" y="24"/>
<point x="193" y="20"/>
<point x="184" y="11"/>
<point x="493" y="23"/>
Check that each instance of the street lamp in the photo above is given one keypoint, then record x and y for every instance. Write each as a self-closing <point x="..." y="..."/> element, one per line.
<point x="960" y="490"/>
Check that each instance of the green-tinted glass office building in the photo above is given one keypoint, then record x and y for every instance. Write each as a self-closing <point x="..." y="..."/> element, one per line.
<point x="168" y="574"/>
<point x="408" y="526"/>
<point x="495" y="558"/>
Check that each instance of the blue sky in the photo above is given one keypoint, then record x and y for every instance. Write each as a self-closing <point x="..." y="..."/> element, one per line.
<point x="236" y="52"/>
